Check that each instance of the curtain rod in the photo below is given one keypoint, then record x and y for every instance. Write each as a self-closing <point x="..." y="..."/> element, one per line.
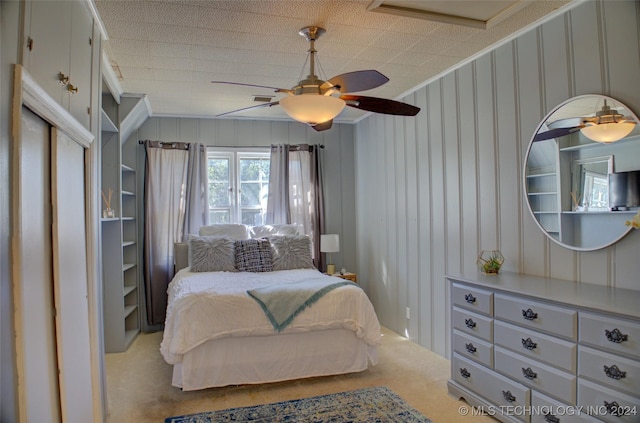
<point x="165" y="145"/>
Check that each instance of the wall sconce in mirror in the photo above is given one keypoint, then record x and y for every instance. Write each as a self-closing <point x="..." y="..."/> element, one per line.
<point x="572" y="178"/>
<point x="608" y="125"/>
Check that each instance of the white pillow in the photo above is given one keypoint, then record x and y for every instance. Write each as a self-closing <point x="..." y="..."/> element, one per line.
<point x="267" y="231"/>
<point x="231" y="230"/>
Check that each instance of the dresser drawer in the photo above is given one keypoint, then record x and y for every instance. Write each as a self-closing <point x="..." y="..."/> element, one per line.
<point x="473" y="324"/>
<point x="619" y="373"/>
<point x="539" y="316"/>
<point x="603" y="403"/>
<point x="475" y="299"/>
<point x="536" y="345"/>
<point x="545" y="409"/>
<point x="496" y="388"/>
<point x="616" y="335"/>
<point x="473" y="348"/>
<point x="536" y="375"/>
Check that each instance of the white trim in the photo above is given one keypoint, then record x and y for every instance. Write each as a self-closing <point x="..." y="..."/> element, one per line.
<point x="33" y="96"/>
<point x="136" y="117"/>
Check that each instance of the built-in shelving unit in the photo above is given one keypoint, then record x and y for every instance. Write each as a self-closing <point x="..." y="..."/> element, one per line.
<point x="120" y="245"/>
<point x="543" y="186"/>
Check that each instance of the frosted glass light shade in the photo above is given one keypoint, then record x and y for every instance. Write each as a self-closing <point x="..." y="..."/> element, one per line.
<point x="312" y="108"/>
<point x="608" y="132"/>
<point x="330" y="243"/>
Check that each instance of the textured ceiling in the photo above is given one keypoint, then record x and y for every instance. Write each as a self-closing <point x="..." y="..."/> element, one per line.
<point x="171" y="50"/>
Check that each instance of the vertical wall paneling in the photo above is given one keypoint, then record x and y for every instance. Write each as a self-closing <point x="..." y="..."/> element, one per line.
<point x="438" y="215"/>
<point x="530" y="95"/>
<point x="412" y="253"/>
<point x="470" y="142"/>
<point x="509" y="154"/>
<point x="422" y="308"/>
<point x="467" y="124"/>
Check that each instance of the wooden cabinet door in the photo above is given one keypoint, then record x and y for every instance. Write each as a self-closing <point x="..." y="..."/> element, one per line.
<point x="47" y="54"/>
<point x="80" y="63"/>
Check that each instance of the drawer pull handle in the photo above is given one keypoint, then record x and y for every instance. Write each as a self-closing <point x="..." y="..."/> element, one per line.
<point x="615" y="335"/>
<point x="470" y="348"/>
<point x="529" y="373"/>
<point x="470" y="323"/>
<point x="529" y="344"/>
<point x="508" y="396"/>
<point x="613" y="408"/>
<point x="614" y="372"/>
<point x="470" y="298"/>
<point x="465" y="373"/>
<point x="550" y="418"/>
<point x="528" y="314"/>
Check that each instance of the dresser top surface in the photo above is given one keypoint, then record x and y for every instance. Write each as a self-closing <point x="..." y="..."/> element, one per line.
<point x="584" y="295"/>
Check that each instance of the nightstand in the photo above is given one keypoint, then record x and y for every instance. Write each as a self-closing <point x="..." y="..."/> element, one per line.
<point x="348" y="276"/>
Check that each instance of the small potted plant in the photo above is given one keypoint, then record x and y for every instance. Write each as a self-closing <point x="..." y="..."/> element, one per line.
<point x="490" y="261"/>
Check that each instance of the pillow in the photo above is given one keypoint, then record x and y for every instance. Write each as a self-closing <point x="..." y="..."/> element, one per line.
<point x="211" y="254"/>
<point x="231" y="230"/>
<point x="253" y="255"/>
<point x="272" y="230"/>
<point x="291" y="252"/>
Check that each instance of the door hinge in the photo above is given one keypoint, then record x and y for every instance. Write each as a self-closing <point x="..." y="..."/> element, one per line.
<point x="90" y="41"/>
<point x="88" y="110"/>
<point x="30" y="43"/>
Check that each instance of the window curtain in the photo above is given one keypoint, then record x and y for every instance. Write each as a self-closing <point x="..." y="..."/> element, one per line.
<point x="296" y="191"/>
<point x="175" y="205"/>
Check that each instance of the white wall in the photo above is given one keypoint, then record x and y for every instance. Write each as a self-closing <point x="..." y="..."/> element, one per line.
<point x="338" y="155"/>
<point x="434" y="190"/>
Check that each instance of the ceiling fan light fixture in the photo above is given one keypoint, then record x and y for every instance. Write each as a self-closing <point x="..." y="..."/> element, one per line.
<point x="607" y="132"/>
<point x="607" y="126"/>
<point x="312" y="109"/>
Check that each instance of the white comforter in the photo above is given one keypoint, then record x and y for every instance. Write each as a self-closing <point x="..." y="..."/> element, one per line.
<point x="211" y="305"/>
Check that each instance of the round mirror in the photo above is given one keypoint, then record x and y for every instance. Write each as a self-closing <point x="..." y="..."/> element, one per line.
<point x="582" y="172"/>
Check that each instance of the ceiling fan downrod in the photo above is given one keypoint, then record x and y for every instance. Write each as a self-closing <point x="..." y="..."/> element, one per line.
<point x="312" y="82"/>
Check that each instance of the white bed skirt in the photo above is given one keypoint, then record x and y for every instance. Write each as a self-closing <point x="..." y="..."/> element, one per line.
<point x="262" y="359"/>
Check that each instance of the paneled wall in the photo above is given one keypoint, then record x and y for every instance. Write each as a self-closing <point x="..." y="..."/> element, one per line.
<point x="338" y="156"/>
<point x="434" y="190"/>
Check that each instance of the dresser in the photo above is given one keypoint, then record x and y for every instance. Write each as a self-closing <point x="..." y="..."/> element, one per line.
<point x="531" y="349"/>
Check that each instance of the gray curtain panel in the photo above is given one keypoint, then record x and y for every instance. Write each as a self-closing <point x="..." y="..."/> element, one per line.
<point x="173" y="204"/>
<point x="296" y="193"/>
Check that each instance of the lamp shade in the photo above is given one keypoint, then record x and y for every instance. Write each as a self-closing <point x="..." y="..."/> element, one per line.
<point x="608" y="132"/>
<point x="330" y="243"/>
<point x="312" y="108"/>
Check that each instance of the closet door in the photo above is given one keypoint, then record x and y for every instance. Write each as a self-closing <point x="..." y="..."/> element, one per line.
<point x="69" y="242"/>
<point x="37" y="366"/>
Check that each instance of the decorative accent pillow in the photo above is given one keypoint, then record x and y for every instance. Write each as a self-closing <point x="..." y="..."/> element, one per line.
<point x="253" y="255"/>
<point x="267" y="231"/>
<point x="291" y="252"/>
<point x="231" y="230"/>
<point x="211" y="254"/>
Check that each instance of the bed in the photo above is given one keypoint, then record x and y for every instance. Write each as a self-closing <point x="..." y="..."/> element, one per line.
<point x="230" y="327"/>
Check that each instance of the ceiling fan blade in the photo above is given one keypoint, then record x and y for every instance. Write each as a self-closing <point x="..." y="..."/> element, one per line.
<point x="276" y="89"/>
<point x="556" y="133"/>
<point x="323" y="126"/>
<point x="380" y="105"/>
<point x="258" y="106"/>
<point x="358" y="81"/>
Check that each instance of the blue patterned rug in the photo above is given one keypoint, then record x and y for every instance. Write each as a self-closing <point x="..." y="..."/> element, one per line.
<point x="370" y="405"/>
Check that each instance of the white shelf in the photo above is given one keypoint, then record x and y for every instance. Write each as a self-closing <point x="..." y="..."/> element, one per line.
<point x="106" y="124"/>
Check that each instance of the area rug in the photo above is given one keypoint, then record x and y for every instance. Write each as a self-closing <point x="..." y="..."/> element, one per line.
<point x="370" y="405"/>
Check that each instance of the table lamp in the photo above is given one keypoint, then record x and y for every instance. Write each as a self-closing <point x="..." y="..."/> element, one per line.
<point x="330" y="244"/>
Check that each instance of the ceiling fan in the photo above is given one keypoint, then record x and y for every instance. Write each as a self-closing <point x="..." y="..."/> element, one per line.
<point x="608" y="125"/>
<point x="317" y="102"/>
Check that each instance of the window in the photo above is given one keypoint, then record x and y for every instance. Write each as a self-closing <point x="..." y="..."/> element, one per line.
<point x="238" y="186"/>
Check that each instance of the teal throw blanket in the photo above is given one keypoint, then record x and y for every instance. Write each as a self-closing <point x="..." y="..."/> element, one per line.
<point x="282" y="303"/>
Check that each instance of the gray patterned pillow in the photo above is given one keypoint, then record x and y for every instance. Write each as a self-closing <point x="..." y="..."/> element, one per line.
<point x="211" y="254"/>
<point x="253" y="255"/>
<point x="291" y="252"/>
